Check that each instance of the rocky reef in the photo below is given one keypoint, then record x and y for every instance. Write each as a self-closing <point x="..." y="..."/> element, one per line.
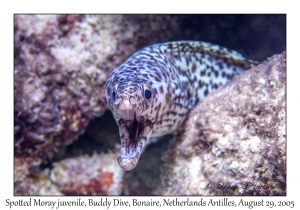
<point x="233" y="142"/>
<point x="30" y="180"/>
<point x="85" y="175"/>
<point x="61" y="65"/>
<point x="98" y="174"/>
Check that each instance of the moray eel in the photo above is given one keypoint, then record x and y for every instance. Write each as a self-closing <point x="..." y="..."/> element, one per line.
<point x="152" y="92"/>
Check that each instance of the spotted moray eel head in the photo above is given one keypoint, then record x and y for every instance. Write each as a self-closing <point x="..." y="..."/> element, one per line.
<point x="130" y="101"/>
<point x="151" y="93"/>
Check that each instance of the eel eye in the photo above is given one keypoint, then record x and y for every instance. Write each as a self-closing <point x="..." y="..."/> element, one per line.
<point x="147" y="94"/>
<point x="114" y="95"/>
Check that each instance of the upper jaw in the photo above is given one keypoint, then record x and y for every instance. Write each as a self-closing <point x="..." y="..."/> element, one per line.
<point x="125" y="109"/>
<point x="127" y="114"/>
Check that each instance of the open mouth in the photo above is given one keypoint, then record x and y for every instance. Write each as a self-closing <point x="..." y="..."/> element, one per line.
<point x="134" y="131"/>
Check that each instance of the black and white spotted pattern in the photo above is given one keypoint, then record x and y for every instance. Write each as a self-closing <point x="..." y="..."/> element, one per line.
<point x="151" y="93"/>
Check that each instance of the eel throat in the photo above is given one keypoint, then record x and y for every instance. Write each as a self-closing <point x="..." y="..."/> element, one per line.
<point x="135" y="133"/>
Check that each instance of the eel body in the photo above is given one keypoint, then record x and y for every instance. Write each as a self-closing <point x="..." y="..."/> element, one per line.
<point x="151" y="93"/>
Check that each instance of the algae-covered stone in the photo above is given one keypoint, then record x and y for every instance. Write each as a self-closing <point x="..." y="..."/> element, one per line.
<point x="88" y="175"/>
<point x="233" y="142"/>
<point x="61" y="65"/>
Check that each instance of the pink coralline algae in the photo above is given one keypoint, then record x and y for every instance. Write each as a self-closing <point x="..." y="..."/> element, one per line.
<point x="84" y="175"/>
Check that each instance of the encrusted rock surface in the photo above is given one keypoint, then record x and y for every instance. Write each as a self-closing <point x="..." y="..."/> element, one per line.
<point x="235" y="137"/>
<point x="29" y="180"/>
<point x="61" y="64"/>
<point x="98" y="174"/>
<point x="88" y="175"/>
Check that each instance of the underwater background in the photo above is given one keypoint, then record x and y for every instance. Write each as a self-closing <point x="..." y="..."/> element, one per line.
<point x="66" y="142"/>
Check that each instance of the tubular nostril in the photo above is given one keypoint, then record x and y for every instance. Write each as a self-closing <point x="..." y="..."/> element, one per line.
<point x="117" y="101"/>
<point x="125" y="101"/>
<point x="132" y="100"/>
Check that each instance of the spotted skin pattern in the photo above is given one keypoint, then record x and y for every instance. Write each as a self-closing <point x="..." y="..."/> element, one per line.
<point x="151" y="93"/>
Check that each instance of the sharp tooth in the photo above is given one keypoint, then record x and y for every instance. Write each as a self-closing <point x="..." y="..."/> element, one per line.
<point x="137" y="132"/>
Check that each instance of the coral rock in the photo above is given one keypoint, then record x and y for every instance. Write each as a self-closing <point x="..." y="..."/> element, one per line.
<point x="61" y="65"/>
<point x="30" y="180"/>
<point x="233" y="142"/>
<point x="84" y="175"/>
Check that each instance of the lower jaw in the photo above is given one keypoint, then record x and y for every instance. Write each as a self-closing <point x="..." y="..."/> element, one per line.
<point x="128" y="163"/>
<point x="135" y="136"/>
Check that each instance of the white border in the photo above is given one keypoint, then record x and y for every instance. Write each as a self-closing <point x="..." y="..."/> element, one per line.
<point x="58" y="6"/>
